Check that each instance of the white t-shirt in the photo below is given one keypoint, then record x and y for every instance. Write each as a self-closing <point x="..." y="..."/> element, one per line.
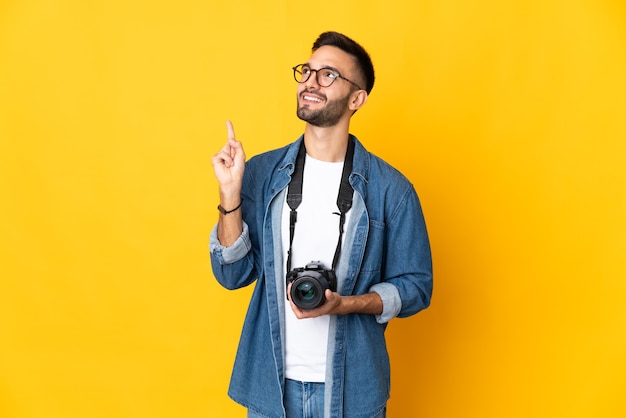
<point x="315" y="239"/>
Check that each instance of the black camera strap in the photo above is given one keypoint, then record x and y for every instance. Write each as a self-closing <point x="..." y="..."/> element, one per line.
<point x="344" y="198"/>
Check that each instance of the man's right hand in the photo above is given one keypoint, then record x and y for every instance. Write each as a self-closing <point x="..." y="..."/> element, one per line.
<point x="228" y="166"/>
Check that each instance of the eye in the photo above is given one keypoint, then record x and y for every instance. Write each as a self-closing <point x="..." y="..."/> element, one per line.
<point x="305" y="70"/>
<point x="328" y="73"/>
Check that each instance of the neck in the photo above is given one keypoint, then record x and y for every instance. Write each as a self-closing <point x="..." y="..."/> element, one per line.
<point x="326" y="144"/>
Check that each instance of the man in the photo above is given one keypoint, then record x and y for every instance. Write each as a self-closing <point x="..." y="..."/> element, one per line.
<point x="367" y="248"/>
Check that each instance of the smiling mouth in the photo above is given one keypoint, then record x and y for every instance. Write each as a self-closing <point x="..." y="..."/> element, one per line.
<point x="309" y="98"/>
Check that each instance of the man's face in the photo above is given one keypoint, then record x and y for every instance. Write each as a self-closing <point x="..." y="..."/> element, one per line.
<point x="326" y="106"/>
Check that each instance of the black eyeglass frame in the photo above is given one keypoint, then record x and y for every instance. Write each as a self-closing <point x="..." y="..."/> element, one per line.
<point x="298" y="70"/>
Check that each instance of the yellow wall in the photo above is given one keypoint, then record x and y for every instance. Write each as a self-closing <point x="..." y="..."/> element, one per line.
<point x="508" y="116"/>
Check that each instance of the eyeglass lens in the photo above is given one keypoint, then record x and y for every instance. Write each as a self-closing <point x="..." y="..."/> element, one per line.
<point x="324" y="76"/>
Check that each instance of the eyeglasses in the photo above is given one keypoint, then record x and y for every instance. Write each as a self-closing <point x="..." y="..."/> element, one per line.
<point x="324" y="76"/>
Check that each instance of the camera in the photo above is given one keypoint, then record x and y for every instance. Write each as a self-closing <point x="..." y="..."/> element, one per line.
<point x="309" y="284"/>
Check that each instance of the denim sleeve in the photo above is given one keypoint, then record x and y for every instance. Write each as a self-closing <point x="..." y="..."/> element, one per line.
<point x="233" y="253"/>
<point x="392" y="303"/>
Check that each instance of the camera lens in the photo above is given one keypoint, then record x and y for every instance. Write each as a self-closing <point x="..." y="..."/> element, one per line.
<point x="305" y="291"/>
<point x="308" y="292"/>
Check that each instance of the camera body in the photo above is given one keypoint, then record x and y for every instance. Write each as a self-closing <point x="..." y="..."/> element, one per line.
<point x="309" y="284"/>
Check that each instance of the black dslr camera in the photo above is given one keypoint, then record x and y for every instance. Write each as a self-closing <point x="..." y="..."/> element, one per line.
<point x="309" y="284"/>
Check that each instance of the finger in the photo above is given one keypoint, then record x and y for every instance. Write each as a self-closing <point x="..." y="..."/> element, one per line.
<point x="224" y="157"/>
<point x="231" y="130"/>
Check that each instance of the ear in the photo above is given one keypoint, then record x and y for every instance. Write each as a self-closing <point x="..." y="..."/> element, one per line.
<point x="357" y="100"/>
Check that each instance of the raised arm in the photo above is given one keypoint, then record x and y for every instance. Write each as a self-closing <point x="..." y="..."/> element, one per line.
<point x="228" y="166"/>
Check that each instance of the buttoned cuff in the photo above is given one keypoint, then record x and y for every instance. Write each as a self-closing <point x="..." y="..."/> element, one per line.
<point x="232" y="253"/>
<point x="392" y="304"/>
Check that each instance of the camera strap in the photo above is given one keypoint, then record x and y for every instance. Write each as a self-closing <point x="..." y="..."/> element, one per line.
<point x="344" y="198"/>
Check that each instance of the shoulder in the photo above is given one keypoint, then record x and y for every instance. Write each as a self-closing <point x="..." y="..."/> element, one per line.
<point x="377" y="172"/>
<point x="385" y="171"/>
<point x="276" y="158"/>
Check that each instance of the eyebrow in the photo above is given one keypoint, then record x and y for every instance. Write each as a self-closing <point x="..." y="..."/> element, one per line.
<point x="324" y="67"/>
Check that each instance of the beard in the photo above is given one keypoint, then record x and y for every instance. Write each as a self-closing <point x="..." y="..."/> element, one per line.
<point x="327" y="116"/>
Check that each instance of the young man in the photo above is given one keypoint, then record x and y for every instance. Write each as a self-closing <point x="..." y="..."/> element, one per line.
<point x="324" y="221"/>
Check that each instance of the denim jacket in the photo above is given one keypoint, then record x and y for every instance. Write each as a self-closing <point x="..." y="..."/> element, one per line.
<point x="386" y="250"/>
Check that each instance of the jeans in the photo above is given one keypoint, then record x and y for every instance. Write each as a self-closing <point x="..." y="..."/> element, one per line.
<point x="304" y="400"/>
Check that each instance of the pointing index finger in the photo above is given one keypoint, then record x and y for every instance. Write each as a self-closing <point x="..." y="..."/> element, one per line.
<point x="231" y="130"/>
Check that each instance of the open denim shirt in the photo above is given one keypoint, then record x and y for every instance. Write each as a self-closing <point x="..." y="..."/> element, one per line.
<point x="386" y="250"/>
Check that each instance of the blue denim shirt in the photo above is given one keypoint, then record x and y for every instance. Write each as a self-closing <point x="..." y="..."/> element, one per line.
<point x="386" y="250"/>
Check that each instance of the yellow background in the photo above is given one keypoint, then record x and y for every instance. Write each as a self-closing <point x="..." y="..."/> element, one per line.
<point x="508" y="116"/>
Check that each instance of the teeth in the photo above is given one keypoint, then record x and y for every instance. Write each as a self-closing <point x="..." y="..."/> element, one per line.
<point x="314" y="99"/>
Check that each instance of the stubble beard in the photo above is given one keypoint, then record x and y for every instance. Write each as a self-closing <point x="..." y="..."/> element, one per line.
<point x="328" y="115"/>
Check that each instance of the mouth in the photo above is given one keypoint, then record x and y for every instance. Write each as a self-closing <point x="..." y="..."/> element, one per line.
<point x="308" y="98"/>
